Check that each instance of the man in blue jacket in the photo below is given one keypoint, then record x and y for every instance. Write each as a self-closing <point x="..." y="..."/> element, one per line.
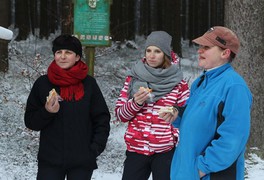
<point x="215" y="124"/>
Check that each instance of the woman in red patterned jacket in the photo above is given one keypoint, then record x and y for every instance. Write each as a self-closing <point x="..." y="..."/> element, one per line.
<point x="150" y="137"/>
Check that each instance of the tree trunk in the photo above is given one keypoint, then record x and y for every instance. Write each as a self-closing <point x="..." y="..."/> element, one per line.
<point x="44" y="19"/>
<point x="199" y="18"/>
<point x="115" y="19"/>
<point x="48" y="17"/>
<point x="33" y="16"/>
<point x="4" y="12"/>
<point x="174" y="12"/>
<point x="53" y="14"/>
<point x="137" y="15"/>
<point x="122" y="19"/>
<point x="22" y="19"/>
<point x="127" y="20"/>
<point x="246" y="19"/>
<point x="217" y="13"/>
<point x="130" y="22"/>
<point x="184" y="18"/>
<point x="144" y="18"/>
<point x="154" y="14"/>
<point x="67" y="17"/>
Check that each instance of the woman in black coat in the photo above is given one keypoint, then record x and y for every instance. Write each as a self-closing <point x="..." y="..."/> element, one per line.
<point x="73" y="121"/>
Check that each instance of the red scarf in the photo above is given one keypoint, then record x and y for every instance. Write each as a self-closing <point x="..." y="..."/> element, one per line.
<point x="69" y="81"/>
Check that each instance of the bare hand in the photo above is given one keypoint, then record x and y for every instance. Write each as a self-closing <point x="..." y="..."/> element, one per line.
<point x="201" y="174"/>
<point x="169" y="116"/>
<point x="141" y="96"/>
<point x="53" y="104"/>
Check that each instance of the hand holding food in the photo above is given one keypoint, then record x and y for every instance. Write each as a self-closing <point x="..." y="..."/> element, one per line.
<point x="166" y="109"/>
<point x="52" y="93"/>
<point x="52" y="104"/>
<point x="142" y="95"/>
<point x="168" y="113"/>
<point x="150" y="94"/>
<point x="145" y="89"/>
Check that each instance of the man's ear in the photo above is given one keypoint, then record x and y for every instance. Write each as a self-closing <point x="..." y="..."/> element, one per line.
<point x="226" y="53"/>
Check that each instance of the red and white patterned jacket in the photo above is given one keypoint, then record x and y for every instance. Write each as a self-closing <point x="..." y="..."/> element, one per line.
<point x="147" y="133"/>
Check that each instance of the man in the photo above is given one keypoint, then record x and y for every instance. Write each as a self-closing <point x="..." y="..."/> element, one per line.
<point x="215" y="124"/>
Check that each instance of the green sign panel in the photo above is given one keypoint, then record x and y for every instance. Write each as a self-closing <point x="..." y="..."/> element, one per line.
<point x="91" y="22"/>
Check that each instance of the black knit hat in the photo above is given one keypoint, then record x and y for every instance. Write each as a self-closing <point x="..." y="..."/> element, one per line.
<point x="69" y="42"/>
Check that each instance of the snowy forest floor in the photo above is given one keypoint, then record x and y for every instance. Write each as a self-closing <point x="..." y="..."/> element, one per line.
<point x="28" y="60"/>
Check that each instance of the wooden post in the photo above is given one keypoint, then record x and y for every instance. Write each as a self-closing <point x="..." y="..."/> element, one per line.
<point x="90" y="54"/>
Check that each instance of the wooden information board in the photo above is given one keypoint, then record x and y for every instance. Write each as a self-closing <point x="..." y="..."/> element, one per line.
<point x="91" y="22"/>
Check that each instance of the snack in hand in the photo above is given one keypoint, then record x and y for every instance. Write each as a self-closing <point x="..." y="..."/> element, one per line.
<point x="145" y="89"/>
<point x="52" y="93"/>
<point x="166" y="109"/>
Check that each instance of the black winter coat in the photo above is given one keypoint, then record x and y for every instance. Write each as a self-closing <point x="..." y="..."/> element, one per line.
<point x="74" y="136"/>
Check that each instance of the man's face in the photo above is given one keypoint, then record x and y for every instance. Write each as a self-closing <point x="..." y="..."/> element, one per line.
<point x="211" y="57"/>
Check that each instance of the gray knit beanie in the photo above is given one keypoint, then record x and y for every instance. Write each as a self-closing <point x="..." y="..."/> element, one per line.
<point x="162" y="40"/>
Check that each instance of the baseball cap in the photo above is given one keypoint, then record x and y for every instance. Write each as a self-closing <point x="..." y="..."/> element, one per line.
<point x="219" y="36"/>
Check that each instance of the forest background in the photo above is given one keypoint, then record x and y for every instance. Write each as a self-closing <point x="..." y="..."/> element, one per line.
<point x="183" y="19"/>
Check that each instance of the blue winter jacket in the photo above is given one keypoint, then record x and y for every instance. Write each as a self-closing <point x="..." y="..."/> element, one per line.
<point x="197" y="149"/>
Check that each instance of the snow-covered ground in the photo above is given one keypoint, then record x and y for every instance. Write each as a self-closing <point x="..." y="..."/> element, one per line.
<point x="28" y="60"/>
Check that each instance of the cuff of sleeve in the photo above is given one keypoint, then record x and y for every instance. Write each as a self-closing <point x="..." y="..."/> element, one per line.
<point x="138" y="105"/>
<point x="135" y="105"/>
<point x="95" y="150"/>
<point x="46" y="115"/>
<point x="200" y="165"/>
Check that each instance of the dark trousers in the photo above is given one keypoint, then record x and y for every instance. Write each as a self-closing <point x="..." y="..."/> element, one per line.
<point x="59" y="173"/>
<point x="139" y="167"/>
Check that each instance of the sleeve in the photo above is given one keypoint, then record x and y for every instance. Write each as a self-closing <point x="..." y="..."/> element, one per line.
<point x="36" y="116"/>
<point x="184" y="93"/>
<point x="126" y="108"/>
<point x="234" y="132"/>
<point x="100" y="116"/>
<point x="183" y="96"/>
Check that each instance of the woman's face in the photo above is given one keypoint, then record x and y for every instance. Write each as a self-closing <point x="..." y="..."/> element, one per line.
<point x="65" y="58"/>
<point x="154" y="56"/>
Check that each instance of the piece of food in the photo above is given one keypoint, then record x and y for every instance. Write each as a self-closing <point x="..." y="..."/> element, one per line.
<point x="166" y="109"/>
<point x="52" y="93"/>
<point x="145" y="89"/>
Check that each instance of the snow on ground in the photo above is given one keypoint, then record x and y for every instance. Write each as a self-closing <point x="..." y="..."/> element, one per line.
<point x="28" y="60"/>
